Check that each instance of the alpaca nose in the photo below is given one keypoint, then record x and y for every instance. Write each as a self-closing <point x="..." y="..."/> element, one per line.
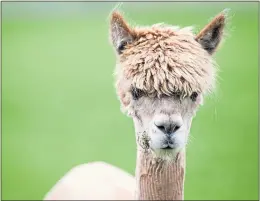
<point x="169" y="126"/>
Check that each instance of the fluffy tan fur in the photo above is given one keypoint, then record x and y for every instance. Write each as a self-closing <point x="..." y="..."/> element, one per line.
<point x="164" y="60"/>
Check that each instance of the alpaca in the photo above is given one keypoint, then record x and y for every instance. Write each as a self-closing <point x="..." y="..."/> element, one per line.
<point x="162" y="74"/>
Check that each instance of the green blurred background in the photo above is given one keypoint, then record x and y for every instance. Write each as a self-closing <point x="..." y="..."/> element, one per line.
<point x="59" y="107"/>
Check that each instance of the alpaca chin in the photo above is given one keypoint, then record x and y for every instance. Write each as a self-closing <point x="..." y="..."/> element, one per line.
<point x="167" y="155"/>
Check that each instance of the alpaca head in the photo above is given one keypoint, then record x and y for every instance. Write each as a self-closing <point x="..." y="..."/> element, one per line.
<point x="162" y="74"/>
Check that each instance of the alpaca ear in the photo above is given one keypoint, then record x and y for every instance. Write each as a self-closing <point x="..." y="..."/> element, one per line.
<point x="211" y="35"/>
<point x="121" y="33"/>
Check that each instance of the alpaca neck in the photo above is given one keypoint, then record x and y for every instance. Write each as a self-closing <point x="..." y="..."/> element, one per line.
<point x="159" y="180"/>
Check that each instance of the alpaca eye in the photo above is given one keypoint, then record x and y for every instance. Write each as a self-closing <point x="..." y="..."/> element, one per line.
<point x="121" y="46"/>
<point x="136" y="93"/>
<point x="194" y="96"/>
<point x="177" y="94"/>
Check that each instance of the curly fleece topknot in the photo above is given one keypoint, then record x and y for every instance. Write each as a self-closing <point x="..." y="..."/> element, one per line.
<point x="167" y="60"/>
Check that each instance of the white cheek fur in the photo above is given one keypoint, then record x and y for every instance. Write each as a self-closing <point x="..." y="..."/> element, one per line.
<point x="145" y="109"/>
<point x="199" y="100"/>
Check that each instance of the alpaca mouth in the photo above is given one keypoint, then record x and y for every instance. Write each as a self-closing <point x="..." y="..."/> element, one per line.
<point x="167" y="148"/>
<point x="168" y="145"/>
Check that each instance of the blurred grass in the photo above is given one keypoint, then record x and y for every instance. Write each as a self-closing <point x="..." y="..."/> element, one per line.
<point x="59" y="107"/>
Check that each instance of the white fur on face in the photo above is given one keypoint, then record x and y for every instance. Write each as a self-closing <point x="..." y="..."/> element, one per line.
<point x="146" y="112"/>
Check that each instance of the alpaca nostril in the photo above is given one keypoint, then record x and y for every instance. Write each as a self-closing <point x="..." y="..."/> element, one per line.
<point x="176" y="128"/>
<point x="162" y="128"/>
